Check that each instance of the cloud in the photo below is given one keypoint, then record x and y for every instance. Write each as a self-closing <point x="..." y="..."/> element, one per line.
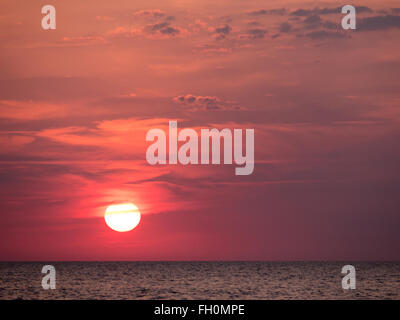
<point x="199" y="24"/>
<point x="285" y="27"/>
<point x="213" y="50"/>
<point x="205" y="103"/>
<point x="378" y="23"/>
<point x="330" y="25"/>
<point x="124" y="32"/>
<point x="262" y="12"/>
<point x="312" y="19"/>
<point x="11" y="142"/>
<point x="363" y="9"/>
<point x="163" y="28"/>
<point x="150" y="31"/>
<point x="253" y="23"/>
<point x="116" y="134"/>
<point x="157" y="26"/>
<point x="58" y="89"/>
<point x="301" y="12"/>
<point x="327" y="11"/>
<point x="255" y="33"/>
<point x="322" y="34"/>
<point x="170" y="31"/>
<point x="29" y="110"/>
<point x="323" y="11"/>
<point x="154" y="13"/>
<point x="222" y="31"/>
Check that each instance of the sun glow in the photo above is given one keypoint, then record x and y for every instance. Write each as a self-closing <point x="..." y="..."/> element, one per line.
<point x="122" y="217"/>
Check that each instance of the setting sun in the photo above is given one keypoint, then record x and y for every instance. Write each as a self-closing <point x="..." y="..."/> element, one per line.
<point x="122" y="217"/>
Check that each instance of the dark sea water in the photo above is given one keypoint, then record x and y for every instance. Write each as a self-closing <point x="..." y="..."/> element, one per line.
<point x="199" y="280"/>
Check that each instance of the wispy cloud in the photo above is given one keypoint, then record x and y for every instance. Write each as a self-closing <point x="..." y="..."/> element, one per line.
<point x="210" y="103"/>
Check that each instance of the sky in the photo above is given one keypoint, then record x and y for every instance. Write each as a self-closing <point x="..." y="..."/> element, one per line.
<point x="76" y="104"/>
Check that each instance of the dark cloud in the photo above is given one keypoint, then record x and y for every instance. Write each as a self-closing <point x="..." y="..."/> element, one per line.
<point x="301" y="12"/>
<point x="322" y="34"/>
<point x="328" y="10"/>
<point x="363" y="9"/>
<point x="285" y="27"/>
<point x="378" y="23"/>
<point x="281" y="11"/>
<point x="205" y="103"/>
<point x="323" y="11"/>
<point x="313" y="19"/>
<point x="163" y="28"/>
<point x="224" y="30"/>
<point x="202" y="102"/>
<point x="262" y="12"/>
<point x="256" y="33"/>
<point x="253" y="24"/>
<point x="155" y="13"/>
<point x="158" y="26"/>
<point x="330" y="25"/>
<point x="170" y="31"/>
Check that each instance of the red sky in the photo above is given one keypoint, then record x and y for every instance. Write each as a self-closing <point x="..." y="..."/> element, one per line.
<point x="76" y="103"/>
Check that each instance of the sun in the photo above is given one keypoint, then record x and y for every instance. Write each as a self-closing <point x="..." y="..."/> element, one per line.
<point x="122" y="217"/>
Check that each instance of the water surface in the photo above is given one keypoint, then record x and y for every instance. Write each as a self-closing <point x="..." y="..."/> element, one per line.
<point x="199" y="280"/>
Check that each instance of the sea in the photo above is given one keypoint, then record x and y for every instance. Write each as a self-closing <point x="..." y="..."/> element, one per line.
<point x="199" y="280"/>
